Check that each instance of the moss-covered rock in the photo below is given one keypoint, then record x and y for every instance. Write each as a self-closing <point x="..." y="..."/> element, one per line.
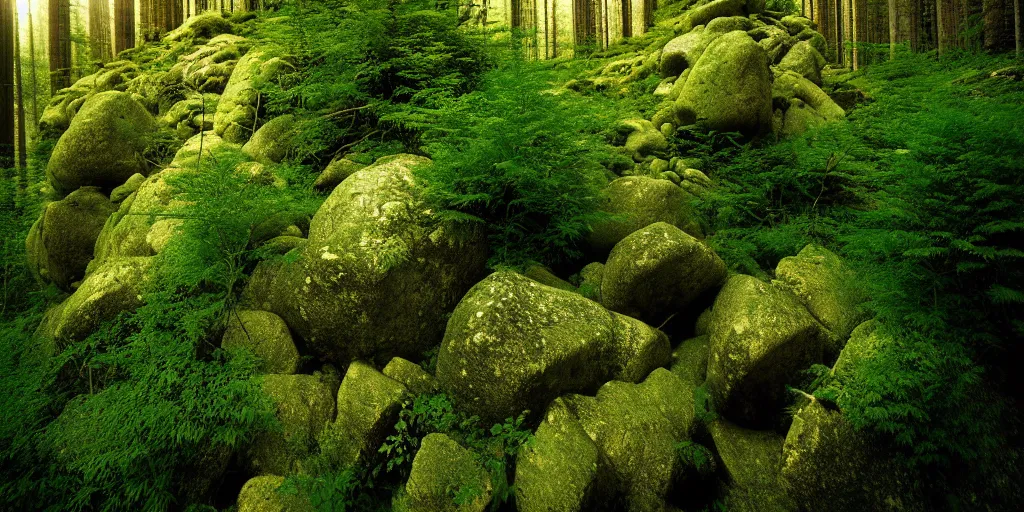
<point x="513" y="344"/>
<point x="368" y="405"/>
<point x="799" y="118"/>
<point x="753" y="461"/>
<point x="267" y="336"/>
<point x="682" y="52"/>
<point x="827" y="465"/>
<point x="590" y="281"/>
<point x="202" y="26"/>
<point x="642" y="138"/>
<point x="729" y="89"/>
<point x="790" y="85"/>
<point x="261" y="494"/>
<point x="411" y="375"/>
<point x="702" y="14"/>
<point x="237" y="115"/>
<point x="441" y="471"/>
<point x="761" y="337"/>
<point x="636" y="428"/>
<point x="828" y="289"/>
<point x="104" y="145"/>
<point x="273" y="141"/>
<point x="558" y="471"/>
<point x="113" y="288"/>
<point x="304" y="406"/>
<point x="865" y="341"/>
<point x="60" y="243"/>
<point x="545" y="276"/>
<point x="130" y="186"/>
<point x="66" y="103"/>
<point x="690" y="360"/>
<point x="379" y="273"/>
<point x="636" y="202"/>
<point x="335" y="173"/>
<point x="657" y="271"/>
<point x="775" y="41"/>
<point x="209" y="67"/>
<point x="804" y="60"/>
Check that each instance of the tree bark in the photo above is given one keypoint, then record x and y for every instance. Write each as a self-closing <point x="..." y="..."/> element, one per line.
<point x="20" y="97"/>
<point x="6" y="84"/>
<point x="99" y="30"/>
<point x="1016" y="26"/>
<point x="947" y="25"/>
<point x="124" y="25"/>
<point x="33" y="69"/>
<point x="60" y="45"/>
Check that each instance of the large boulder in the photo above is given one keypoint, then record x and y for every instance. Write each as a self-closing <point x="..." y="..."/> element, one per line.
<point x="379" y="273"/>
<point x="642" y="138"/>
<point x="682" y="52"/>
<point x="828" y="465"/>
<point x="690" y="360"/>
<point x="753" y="461"/>
<point x="65" y="104"/>
<point x="411" y="375"/>
<point x="237" y="115"/>
<point x="104" y="145"/>
<point x="513" y="344"/>
<point x="657" y="271"/>
<point x="729" y="89"/>
<point x="635" y="202"/>
<point x="558" y="471"/>
<point x="335" y="173"/>
<point x="799" y="118"/>
<point x="789" y="85"/>
<point x="304" y="406"/>
<point x="273" y="141"/>
<point x="202" y="26"/>
<point x="702" y="14"/>
<point x="443" y="471"/>
<point x="636" y="428"/>
<point x="115" y="287"/>
<point x="761" y="338"/>
<point x="261" y="494"/>
<point x="60" y="243"/>
<point x="803" y="59"/>
<point x="368" y="405"/>
<point x="209" y="67"/>
<point x="265" y="335"/>
<point x="828" y="289"/>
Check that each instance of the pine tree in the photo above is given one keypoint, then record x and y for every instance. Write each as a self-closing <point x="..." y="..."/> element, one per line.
<point x="99" y="29"/>
<point x="60" y="45"/>
<point x="20" y="98"/>
<point x="124" y="25"/>
<point x="6" y="84"/>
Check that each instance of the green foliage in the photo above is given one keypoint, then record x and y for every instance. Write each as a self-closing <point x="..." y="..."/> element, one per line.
<point x="343" y="490"/>
<point x="921" y="191"/>
<point x="521" y="160"/>
<point x="783" y="6"/>
<point x="703" y="405"/>
<point x="495" y="447"/>
<point x="696" y="457"/>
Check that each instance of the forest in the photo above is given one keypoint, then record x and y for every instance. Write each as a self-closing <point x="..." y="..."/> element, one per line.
<point x="511" y="255"/>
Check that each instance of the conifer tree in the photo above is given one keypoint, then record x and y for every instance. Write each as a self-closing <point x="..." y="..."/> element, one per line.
<point x="6" y="84"/>
<point x="60" y="45"/>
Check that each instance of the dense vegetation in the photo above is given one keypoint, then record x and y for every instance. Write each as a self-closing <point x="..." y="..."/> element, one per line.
<point x="919" y="189"/>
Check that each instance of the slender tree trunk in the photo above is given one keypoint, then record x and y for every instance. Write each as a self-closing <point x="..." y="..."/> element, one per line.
<point x="60" y="45"/>
<point x="854" y="33"/>
<point x="124" y="25"/>
<point x="892" y="29"/>
<point x="33" y="69"/>
<point x="6" y="84"/>
<point x="99" y="29"/>
<point x="1016" y="25"/>
<point x="20" y="97"/>
<point x="947" y="23"/>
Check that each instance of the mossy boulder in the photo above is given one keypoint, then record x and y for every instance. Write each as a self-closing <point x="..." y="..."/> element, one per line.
<point x="682" y="52"/>
<point x="591" y="277"/>
<point x="442" y="470"/>
<point x="263" y="494"/>
<point x="335" y="173"/>
<point x="379" y="273"/>
<point x="796" y="24"/>
<point x="635" y="202"/>
<point x="752" y="459"/>
<point x="209" y="67"/>
<point x="558" y="471"/>
<point x="273" y="141"/>
<point x="702" y="14"/>
<point x="115" y="287"/>
<point x="761" y="338"/>
<point x="237" y="116"/>
<point x="368" y="405"/>
<point x="642" y="138"/>
<point x="104" y="145"/>
<point x="545" y="276"/>
<point x="202" y="26"/>
<point x="803" y="59"/>
<point x="828" y="288"/>
<point x="130" y="186"/>
<point x="729" y="89"/>
<point x="866" y="340"/>
<point x="690" y="360"/>
<point x="790" y="85"/>
<point x="66" y="103"/>
<point x="411" y="375"/>
<point x="828" y="465"/>
<point x="658" y="271"/>
<point x="304" y="406"/>
<point x="513" y="344"/>
<point x="265" y="335"/>
<point x="636" y="428"/>
<point x="61" y="242"/>
<point x="799" y="118"/>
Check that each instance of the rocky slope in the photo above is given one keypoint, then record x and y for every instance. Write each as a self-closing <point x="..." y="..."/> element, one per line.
<point x="374" y="278"/>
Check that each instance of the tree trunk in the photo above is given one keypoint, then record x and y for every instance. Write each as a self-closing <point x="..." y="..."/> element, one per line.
<point x="6" y="84"/>
<point x="33" y="69"/>
<point x="99" y="30"/>
<point x="947" y="24"/>
<point x="124" y="25"/>
<point x="997" y="30"/>
<point x="1016" y="26"/>
<point x="60" y="45"/>
<point x="20" y="97"/>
